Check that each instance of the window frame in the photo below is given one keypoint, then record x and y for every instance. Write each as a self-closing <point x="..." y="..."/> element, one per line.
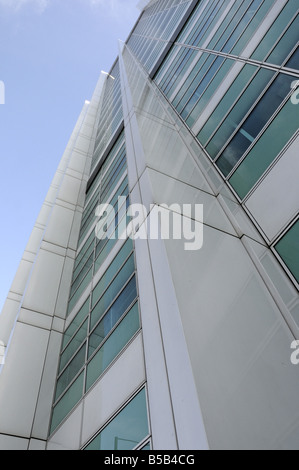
<point x="284" y="232"/>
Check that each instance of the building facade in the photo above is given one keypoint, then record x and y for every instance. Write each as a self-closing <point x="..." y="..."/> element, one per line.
<point x="135" y="342"/>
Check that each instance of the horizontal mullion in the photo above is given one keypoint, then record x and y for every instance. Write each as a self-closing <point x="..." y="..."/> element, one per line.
<point x="133" y="303"/>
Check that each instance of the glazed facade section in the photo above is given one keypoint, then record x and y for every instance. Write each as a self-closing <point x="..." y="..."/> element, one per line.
<point x="103" y="311"/>
<point x="229" y="75"/>
<point x="139" y="343"/>
<point x="234" y="90"/>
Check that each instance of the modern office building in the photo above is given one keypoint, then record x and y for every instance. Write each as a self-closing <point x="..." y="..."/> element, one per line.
<point x="132" y="342"/>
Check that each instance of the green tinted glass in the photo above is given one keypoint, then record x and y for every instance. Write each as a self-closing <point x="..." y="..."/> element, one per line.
<point x="82" y="314"/>
<point x="67" y="403"/>
<point x="113" y="290"/>
<point x="74" y="345"/>
<point x="286" y="44"/>
<point x="267" y="148"/>
<point x="288" y="249"/>
<point x="115" y="312"/>
<point x="70" y="372"/>
<point x="239" y="111"/>
<point x="111" y="271"/>
<point x="112" y="347"/>
<point x="80" y="291"/>
<point x="275" y="31"/>
<point x="126" y="430"/>
<point x="227" y="101"/>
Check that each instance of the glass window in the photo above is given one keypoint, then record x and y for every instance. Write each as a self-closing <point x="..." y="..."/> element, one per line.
<point x="86" y="227"/>
<point x="81" y="315"/>
<point x="259" y="13"/>
<point x="180" y="70"/>
<point x="120" y="305"/>
<point x="239" y="23"/>
<point x="89" y="209"/>
<point x="191" y="27"/>
<point x="84" y="255"/>
<point x="192" y="81"/>
<point x="113" y="315"/>
<point x="128" y="429"/>
<point x="73" y="346"/>
<point x="209" y="92"/>
<point x="206" y="22"/>
<point x="115" y="203"/>
<point x="275" y="31"/>
<point x="209" y="23"/>
<point x="110" y="186"/>
<point x="288" y="250"/>
<point x="86" y="266"/>
<point x="116" y="161"/>
<point x="116" y="285"/>
<point x="70" y="372"/>
<point x="197" y="92"/>
<point x="256" y="121"/>
<point x="239" y="111"/>
<point x="116" y="149"/>
<point x="111" y="116"/>
<point x="223" y="25"/>
<point x="67" y="402"/>
<point x="168" y="65"/>
<point x="146" y="447"/>
<point x="271" y="143"/>
<point x="104" y="250"/>
<point x="227" y="101"/>
<point x="285" y="45"/>
<point x="146" y="46"/>
<point x="80" y="291"/>
<point x="113" y="346"/>
<point x="107" y="229"/>
<point x="293" y="62"/>
<point x="111" y="271"/>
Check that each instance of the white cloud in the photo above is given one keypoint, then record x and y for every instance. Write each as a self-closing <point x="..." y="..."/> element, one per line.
<point x="17" y="5"/>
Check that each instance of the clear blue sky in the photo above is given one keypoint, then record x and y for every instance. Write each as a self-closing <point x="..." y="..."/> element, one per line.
<point x="51" y="55"/>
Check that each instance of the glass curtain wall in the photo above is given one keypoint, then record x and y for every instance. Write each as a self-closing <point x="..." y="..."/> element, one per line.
<point x="106" y="317"/>
<point x="252" y="122"/>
